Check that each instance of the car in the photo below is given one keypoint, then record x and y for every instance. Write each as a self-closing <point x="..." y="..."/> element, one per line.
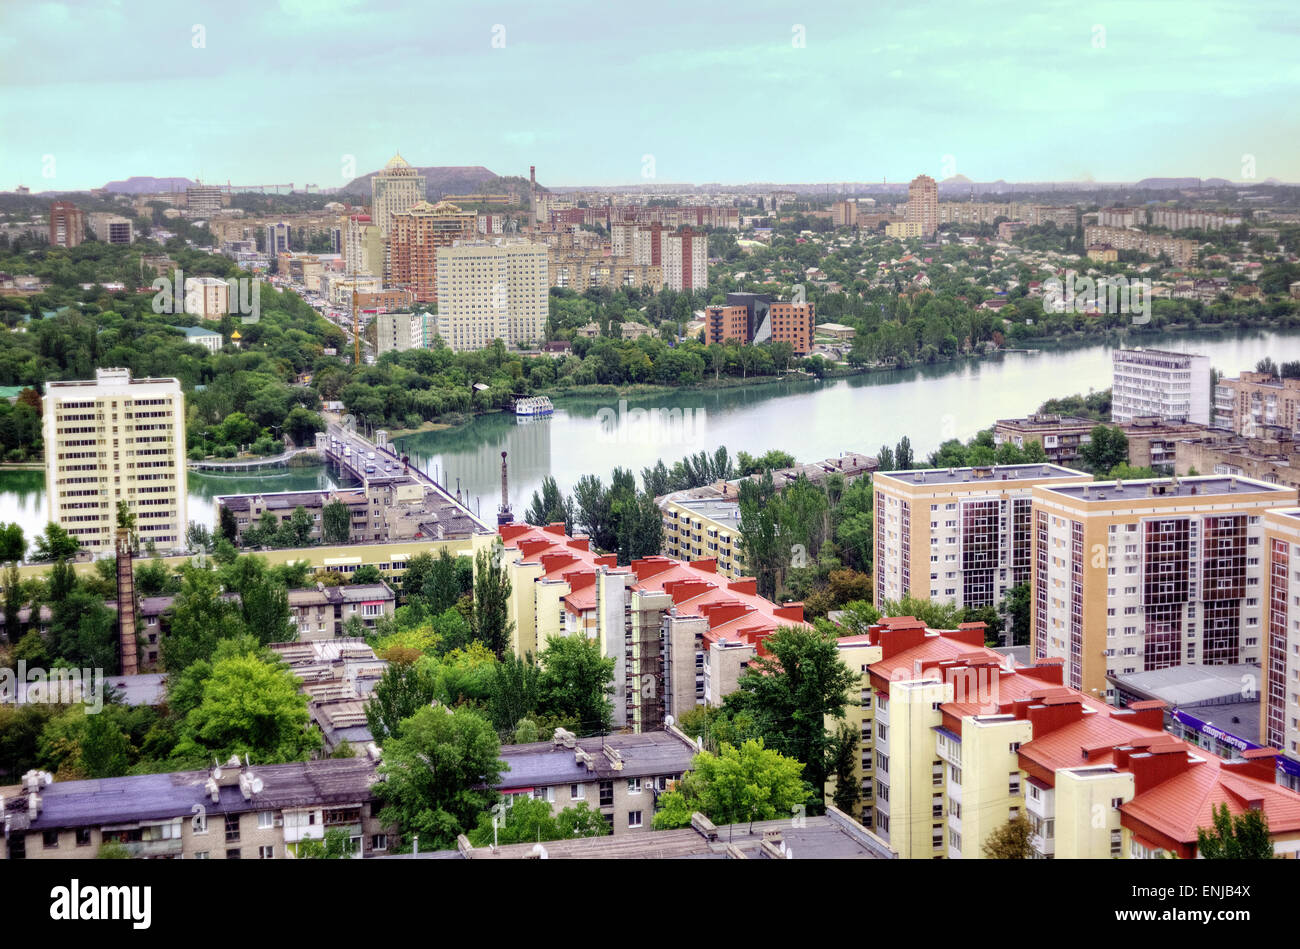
<point x="370" y="469"/>
<point x="370" y="456"/>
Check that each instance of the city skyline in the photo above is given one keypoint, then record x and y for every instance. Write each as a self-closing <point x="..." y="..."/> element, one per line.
<point x="295" y="93"/>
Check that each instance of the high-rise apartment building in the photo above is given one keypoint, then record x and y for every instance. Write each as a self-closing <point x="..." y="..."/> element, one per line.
<point x="416" y="234"/>
<point x="277" y="240"/>
<point x="402" y="331"/>
<point x="363" y="246"/>
<point x="203" y="199"/>
<point x="1280" y="688"/>
<point x="67" y="224"/>
<point x="923" y="205"/>
<point x="1155" y="383"/>
<point x="1131" y="576"/>
<point x="393" y="190"/>
<point x="1255" y="401"/>
<point x="844" y="214"/>
<point x="685" y="260"/>
<point x="957" y="535"/>
<point x="111" y="228"/>
<point x="492" y="291"/>
<point x="116" y="439"/>
<point x="1180" y="251"/>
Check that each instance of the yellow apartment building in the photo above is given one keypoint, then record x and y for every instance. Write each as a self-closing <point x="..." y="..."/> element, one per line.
<point x="114" y="439"/>
<point x="1140" y="575"/>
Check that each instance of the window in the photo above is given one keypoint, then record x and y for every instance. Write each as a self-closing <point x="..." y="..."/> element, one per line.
<point x="1013" y="783"/>
<point x="606" y="793"/>
<point x="51" y="839"/>
<point x="265" y="853"/>
<point x="936" y="806"/>
<point x="83" y="836"/>
<point x="1116" y="841"/>
<point x="575" y="792"/>
<point x="201" y="855"/>
<point x="633" y="785"/>
<point x="232" y="853"/>
<point x="232" y="827"/>
<point x="265" y="819"/>
<point x="1115" y="802"/>
<point x="633" y="818"/>
<point x="379" y="842"/>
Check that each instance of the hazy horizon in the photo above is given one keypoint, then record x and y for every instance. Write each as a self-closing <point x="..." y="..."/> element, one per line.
<point x="253" y="92"/>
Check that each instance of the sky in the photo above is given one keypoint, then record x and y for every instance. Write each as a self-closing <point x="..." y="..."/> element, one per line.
<point x="267" y="92"/>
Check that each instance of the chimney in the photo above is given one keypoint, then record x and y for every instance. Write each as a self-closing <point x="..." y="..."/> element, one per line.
<point x="1258" y="763"/>
<point x="129" y="659"/>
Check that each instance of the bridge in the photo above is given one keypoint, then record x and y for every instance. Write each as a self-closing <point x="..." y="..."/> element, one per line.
<point x="352" y="453"/>
<point x="251" y="464"/>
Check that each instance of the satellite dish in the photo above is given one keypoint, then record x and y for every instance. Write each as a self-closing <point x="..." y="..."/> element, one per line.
<point x="669" y="721"/>
<point x="540" y="852"/>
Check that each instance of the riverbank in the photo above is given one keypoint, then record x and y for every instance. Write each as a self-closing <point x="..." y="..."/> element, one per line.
<point x="424" y="427"/>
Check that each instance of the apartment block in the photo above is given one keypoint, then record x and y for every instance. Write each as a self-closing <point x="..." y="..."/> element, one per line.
<point x="208" y="298"/>
<point x="618" y="776"/>
<point x="416" y="236"/>
<point x="402" y="331"/>
<point x="1153" y="382"/>
<point x="1280" y="689"/>
<point x="67" y="224"/>
<point x="685" y="260"/>
<point x="923" y="205"/>
<point x="844" y="214"/>
<point x="111" y="228"/>
<point x="1131" y="576"/>
<point x="1255" y="400"/>
<point x="394" y="190"/>
<point x="680" y="634"/>
<point x="960" y="740"/>
<point x="323" y="612"/>
<point x="904" y="229"/>
<point x="1272" y="456"/>
<point x="204" y="199"/>
<point x="1180" y="252"/>
<point x="277" y="240"/>
<point x="757" y="318"/>
<point x="233" y="812"/>
<point x="1061" y="436"/>
<point x="957" y="535"/>
<point x="581" y="270"/>
<point x="492" y="291"/>
<point x="115" y="439"/>
<point x="363" y="245"/>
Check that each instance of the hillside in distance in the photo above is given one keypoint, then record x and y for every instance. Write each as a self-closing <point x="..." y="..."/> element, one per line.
<point x="143" y="184"/>
<point x="450" y="179"/>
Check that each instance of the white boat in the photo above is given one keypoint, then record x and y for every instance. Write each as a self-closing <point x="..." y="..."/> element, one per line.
<point x="533" y="406"/>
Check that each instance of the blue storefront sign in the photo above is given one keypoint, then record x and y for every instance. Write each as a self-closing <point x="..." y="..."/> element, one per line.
<point x="1288" y="765"/>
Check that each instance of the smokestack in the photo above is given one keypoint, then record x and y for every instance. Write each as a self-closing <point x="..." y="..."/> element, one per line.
<point x="126" y="603"/>
<point x="503" y="512"/>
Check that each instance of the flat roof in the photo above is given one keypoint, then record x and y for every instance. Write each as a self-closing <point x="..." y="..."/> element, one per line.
<point x="982" y="473"/>
<point x="1202" y="486"/>
<point x="1191" y="685"/>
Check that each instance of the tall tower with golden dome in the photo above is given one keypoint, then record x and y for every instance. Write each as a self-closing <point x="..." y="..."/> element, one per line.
<point x="393" y="190"/>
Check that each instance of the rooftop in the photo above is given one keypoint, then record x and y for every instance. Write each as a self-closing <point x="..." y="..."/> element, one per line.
<point x="1201" y="486"/>
<point x="556" y="762"/>
<point x="980" y="473"/>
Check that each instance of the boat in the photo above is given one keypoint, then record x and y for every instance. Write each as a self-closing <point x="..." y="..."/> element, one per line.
<point x="533" y="406"/>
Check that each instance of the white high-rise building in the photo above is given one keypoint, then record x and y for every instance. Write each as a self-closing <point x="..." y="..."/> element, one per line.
<point x="1153" y="382"/>
<point x="116" y="439"/>
<point x="402" y="331"/>
<point x="492" y="291"/>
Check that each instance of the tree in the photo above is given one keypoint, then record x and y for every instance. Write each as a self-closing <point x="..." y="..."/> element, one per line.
<point x="491" y="600"/>
<point x="550" y="506"/>
<point x="792" y="691"/>
<point x="516" y="691"/>
<point x="228" y="527"/>
<point x="737" y="785"/>
<point x="1107" y="448"/>
<point x="438" y="774"/>
<point x="1017" y="606"/>
<point x="1011" y="841"/>
<point x="576" y="683"/>
<point x="12" y="543"/>
<point x="529" y="820"/>
<point x="1241" y="837"/>
<point x="15" y="600"/>
<point x="54" y="544"/>
<point x="366" y="573"/>
<point x="843" y="761"/>
<point x="336" y="523"/>
<point x="403" y="689"/>
<point x="248" y="706"/>
<point x="336" y="845"/>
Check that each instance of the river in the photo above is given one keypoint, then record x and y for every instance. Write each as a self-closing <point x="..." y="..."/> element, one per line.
<point x="811" y="420"/>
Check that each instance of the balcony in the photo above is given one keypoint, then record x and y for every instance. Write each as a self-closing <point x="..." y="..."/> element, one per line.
<point x="154" y="849"/>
